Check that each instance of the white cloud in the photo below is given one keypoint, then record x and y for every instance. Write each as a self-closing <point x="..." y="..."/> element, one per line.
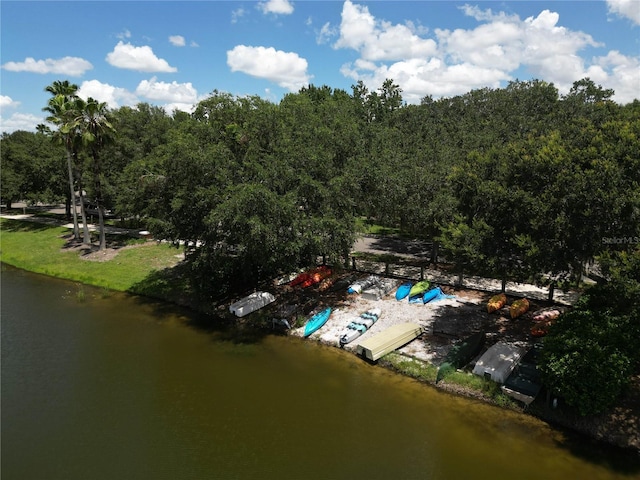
<point x="626" y="8"/>
<point x="177" y="40"/>
<point x="71" y="66"/>
<point x="379" y="40"/>
<point x="123" y="35"/>
<point x="278" y="7"/>
<point x="326" y="33"/>
<point x="114" y="97"/>
<point x="457" y="61"/>
<point x="621" y="73"/>
<point x="287" y="69"/>
<point x="141" y="59"/>
<point x="20" y="121"/>
<point x="7" y="102"/>
<point x="182" y="93"/>
<point x="237" y="14"/>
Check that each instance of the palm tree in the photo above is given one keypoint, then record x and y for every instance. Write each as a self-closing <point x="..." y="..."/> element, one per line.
<point x="60" y="114"/>
<point x="96" y="131"/>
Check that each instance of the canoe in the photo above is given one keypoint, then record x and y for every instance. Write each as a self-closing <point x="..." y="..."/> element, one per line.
<point x="359" y="325"/>
<point x="519" y="307"/>
<point x="419" y="288"/>
<point x="403" y="290"/>
<point x="317" y="321"/>
<point x="461" y="354"/>
<point x="496" y="302"/>
<point x="251" y="303"/>
<point x="359" y="285"/>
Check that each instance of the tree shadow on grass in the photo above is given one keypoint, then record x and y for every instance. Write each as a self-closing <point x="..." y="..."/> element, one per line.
<point x="22" y="226"/>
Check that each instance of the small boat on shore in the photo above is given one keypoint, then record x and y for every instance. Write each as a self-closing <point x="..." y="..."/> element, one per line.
<point x="359" y="285"/>
<point x="387" y="341"/>
<point x="461" y="354"/>
<point x="418" y="289"/>
<point x="403" y="290"/>
<point x="496" y="302"/>
<point x="359" y="325"/>
<point x="311" y="277"/>
<point x="519" y="308"/>
<point x="251" y="303"/>
<point x="317" y="321"/>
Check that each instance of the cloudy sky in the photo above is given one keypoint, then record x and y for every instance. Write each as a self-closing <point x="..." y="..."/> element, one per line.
<point x="173" y="54"/>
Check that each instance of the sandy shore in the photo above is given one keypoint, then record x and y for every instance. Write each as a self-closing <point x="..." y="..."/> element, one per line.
<point x="427" y="347"/>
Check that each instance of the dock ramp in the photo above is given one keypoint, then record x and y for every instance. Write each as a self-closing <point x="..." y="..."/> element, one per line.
<point x="390" y="339"/>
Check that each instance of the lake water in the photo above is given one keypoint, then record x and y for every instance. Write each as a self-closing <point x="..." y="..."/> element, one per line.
<point x="97" y="385"/>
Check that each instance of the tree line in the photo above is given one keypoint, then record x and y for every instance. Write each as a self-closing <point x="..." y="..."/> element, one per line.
<point x="516" y="183"/>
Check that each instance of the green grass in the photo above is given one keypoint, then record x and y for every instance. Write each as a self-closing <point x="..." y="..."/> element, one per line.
<point x="426" y="372"/>
<point x="41" y="248"/>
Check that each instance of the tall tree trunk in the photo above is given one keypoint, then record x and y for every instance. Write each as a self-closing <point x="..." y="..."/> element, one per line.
<point x="86" y="236"/>
<point x="103" y="237"/>
<point x="76" y="229"/>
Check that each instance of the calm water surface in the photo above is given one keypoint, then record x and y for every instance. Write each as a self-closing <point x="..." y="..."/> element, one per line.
<point x="116" y="387"/>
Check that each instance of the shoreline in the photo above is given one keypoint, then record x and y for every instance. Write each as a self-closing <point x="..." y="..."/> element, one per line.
<point x="617" y="428"/>
<point x="467" y="311"/>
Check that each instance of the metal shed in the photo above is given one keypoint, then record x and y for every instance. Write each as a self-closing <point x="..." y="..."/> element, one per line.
<point x="498" y="361"/>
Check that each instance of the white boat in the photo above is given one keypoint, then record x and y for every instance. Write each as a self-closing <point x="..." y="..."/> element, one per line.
<point x="251" y="303"/>
<point x="380" y="289"/>
<point x="359" y="325"/>
<point x="359" y="285"/>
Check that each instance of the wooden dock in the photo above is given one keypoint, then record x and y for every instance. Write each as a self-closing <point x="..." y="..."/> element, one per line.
<point x="387" y="341"/>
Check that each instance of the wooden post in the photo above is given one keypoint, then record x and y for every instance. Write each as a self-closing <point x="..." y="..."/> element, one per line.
<point x="422" y="272"/>
<point x="386" y="268"/>
<point x="552" y="287"/>
<point x="434" y="252"/>
<point x="504" y="284"/>
<point x="353" y="263"/>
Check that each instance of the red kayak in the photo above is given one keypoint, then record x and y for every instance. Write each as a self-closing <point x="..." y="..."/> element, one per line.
<point x="311" y="277"/>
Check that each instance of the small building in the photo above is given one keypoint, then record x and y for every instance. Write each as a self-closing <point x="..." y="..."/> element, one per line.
<point x="525" y="383"/>
<point x="498" y="361"/>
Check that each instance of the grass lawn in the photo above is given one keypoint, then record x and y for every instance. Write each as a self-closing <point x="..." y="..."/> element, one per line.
<point x="43" y="249"/>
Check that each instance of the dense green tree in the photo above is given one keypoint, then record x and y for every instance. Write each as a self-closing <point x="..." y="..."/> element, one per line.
<point x="591" y="352"/>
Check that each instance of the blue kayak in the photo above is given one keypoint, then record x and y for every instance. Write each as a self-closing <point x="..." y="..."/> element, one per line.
<point x="317" y="321"/>
<point x="431" y="294"/>
<point x="403" y="290"/>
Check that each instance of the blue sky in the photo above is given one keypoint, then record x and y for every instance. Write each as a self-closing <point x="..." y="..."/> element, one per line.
<point x="173" y="54"/>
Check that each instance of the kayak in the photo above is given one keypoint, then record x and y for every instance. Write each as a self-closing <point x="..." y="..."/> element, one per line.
<point x="417" y="291"/>
<point x="403" y="290"/>
<point x="431" y="294"/>
<point x="419" y="288"/>
<point x="519" y="307"/>
<point x="461" y="354"/>
<point x="496" y="302"/>
<point x="359" y="325"/>
<point x="311" y="277"/>
<point x="317" y="321"/>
